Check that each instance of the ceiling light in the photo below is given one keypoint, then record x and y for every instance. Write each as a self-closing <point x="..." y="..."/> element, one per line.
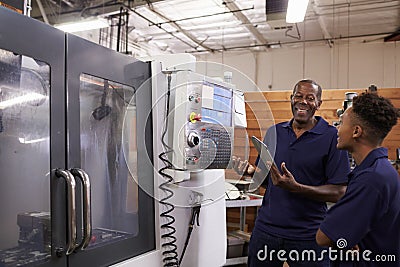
<point x="296" y="11"/>
<point x="82" y="25"/>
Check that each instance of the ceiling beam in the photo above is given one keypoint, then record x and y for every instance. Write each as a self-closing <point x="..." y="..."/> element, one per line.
<point x="321" y="21"/>
<point x="42" y="11"/>
<point x="68" y="3"/>
<point x="246" y="22"/>
<point x="66" y="8"/>
<point x="324" y="29"/>
<point x="180" y="29"/>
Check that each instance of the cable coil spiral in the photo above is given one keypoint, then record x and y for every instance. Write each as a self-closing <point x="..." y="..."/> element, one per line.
<point x="170" y="254"/>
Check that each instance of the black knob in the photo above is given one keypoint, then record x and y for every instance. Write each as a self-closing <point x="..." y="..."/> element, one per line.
<point x="193" y="139"/>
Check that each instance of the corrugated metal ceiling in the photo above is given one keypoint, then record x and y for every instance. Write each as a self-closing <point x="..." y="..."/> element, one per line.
<point x="214" y="25"/>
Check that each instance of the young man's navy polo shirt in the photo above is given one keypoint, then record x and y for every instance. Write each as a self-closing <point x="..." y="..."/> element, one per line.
<point x="314" y="160"/>
<point x="369" y="212"/>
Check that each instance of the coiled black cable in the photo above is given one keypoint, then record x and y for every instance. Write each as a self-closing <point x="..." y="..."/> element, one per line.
<point x="170" y="254"/>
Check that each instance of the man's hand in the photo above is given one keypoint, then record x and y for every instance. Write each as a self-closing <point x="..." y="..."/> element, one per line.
<point x="323" y="193"/>
<point x="242" y="167"/>
<point x="285" y="180"/>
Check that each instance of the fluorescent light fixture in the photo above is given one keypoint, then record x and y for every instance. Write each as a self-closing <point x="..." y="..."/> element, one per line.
<point x="21" y="99"/>
<point x="83" y="25"/>
<point x="296" y="11"/>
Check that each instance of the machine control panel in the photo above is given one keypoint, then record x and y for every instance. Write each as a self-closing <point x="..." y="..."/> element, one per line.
<point x="208" y="127"/>
<point x="203" y="119"/>
<point x="209" y="146"/>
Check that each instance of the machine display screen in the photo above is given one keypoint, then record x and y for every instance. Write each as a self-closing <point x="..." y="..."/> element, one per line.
<point x="217" y="104"/>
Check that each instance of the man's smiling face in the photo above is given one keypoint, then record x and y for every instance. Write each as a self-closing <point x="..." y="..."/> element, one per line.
<point x="305" y="102"/>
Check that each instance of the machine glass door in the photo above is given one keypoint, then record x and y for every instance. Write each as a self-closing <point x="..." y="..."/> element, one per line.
<point x="25" y="218"/>
<point x="109" y="157"/>
<point x="110" y="140"/>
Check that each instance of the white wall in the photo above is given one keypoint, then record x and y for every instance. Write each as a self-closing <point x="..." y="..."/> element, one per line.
<point x="343" y="65"/>
<point x="243" y="66"/>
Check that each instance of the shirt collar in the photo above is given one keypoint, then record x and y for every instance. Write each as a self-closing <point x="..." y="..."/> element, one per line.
<point x="319" y="128"/>
<point x="380" y="152"/>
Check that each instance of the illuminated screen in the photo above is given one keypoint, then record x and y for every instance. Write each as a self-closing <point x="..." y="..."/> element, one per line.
<point x="217" y="104"/>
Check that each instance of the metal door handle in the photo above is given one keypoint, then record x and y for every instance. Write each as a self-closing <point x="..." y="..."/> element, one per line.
<point x="69" y="178"/>
<point x="87" y="217"/>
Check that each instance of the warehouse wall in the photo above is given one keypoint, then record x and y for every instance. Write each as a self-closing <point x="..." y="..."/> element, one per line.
<point x="344" y="65"/>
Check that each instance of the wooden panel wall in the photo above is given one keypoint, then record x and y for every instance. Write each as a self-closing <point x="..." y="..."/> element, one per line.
<point x="266" y="108"/>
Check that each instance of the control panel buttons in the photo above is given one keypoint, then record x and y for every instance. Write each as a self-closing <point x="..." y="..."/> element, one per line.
<point x="193" y="117"/>
<point x="195" y="97"/>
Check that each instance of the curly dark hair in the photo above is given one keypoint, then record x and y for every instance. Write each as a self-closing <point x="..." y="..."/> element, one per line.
<point x="376" y="113"/>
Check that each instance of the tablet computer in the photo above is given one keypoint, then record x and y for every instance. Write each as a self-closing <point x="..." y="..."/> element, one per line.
<point x="262" y="149"/>
<point x="265" y="156"/>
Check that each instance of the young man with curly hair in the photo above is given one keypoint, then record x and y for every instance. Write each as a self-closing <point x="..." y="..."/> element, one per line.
<point x="368" y="216"/>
